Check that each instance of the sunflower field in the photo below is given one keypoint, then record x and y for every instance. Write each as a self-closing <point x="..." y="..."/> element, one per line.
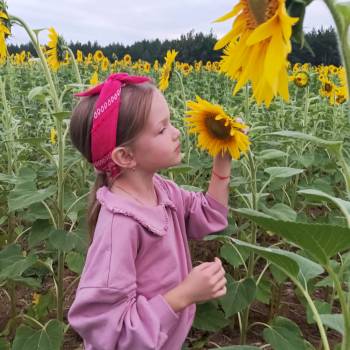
<point x="286" y="250"/>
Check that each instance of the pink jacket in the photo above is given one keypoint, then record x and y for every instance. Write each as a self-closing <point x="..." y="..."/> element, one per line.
<point x="138" y="254"/>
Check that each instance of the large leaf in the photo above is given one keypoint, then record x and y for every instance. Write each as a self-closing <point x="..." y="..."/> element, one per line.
<point x="285" y="334"/>
<point x="237" y="347"/>
<point x="40" y="231"/>
<point x="50" y="337"/>
<point x="331" y="145"/>
<point x="209" y="318"/>
<point x="321" y="241"/>
<point x="62" y="240"/>
<point x="239" y="295"/>
<point x="283" y="172"/>
<point x="343" y="205"/>
<point x="25" y="192"/>
<point x="292" y="264"/>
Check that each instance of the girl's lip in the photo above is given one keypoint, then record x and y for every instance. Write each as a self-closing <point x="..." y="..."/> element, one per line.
<point x="177" y="148"/>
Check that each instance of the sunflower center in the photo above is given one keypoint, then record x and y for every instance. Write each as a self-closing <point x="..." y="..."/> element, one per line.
<point x="259" y="11"/>
<point x="217" y="128"/>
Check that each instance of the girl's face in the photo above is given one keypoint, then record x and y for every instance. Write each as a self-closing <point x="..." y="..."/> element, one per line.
<point x="158" y="145"/>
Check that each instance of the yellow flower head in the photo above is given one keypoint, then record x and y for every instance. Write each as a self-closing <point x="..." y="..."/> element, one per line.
<point x="301" y="79"/>
<point x="5" y="30"/>
<point x="94" y="79"/>
<point x="127" y="59"/>
<point x="257" y="46"/>
<point x="56" y="52"/>
<point x="217" y="132"/>
<point x="167" y="69"/>
<point x="105" y="64"/>
<point x="98" y="56"/>
<point x="36" y="298"/>
<point x="53" y="136"/>
<point x="79" y="56"/>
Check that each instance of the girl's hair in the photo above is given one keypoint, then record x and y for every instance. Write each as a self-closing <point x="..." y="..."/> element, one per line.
<point x="134" y="111"/>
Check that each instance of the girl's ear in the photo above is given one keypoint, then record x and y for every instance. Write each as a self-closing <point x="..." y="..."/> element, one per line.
<point x="123" y="157"/>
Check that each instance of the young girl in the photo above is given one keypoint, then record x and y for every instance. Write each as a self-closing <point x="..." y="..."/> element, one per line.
<point x="138" y="289"/>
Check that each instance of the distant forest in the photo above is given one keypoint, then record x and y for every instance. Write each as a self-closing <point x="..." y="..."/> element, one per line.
<point x="198" y="46"/>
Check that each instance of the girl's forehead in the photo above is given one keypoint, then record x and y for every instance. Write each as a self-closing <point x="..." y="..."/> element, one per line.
<point x="159" y="108"/>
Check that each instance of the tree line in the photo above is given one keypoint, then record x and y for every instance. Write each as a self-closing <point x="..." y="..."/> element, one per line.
<point x="193" y="46"/>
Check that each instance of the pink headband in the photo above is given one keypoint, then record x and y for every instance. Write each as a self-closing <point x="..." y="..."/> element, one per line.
<point x="105" y="119"/>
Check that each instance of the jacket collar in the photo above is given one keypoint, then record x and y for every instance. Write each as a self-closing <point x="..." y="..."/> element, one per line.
<point x="154" y="219"/>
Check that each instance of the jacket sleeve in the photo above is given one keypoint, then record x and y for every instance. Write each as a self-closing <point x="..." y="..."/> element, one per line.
<point x="107" y="312"/>
<point x="203" y="214"/>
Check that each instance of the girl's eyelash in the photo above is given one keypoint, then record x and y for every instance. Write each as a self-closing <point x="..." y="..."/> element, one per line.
<point x="161" y="131"/>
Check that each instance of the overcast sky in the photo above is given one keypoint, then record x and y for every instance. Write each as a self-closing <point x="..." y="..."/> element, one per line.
<point x="125" y="22"/>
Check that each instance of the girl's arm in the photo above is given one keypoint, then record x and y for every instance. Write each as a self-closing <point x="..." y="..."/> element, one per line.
<point x="220" y="178"/>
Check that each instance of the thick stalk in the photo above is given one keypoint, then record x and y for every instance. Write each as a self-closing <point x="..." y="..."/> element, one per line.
<point x="344" y="307"/>
<point x="60" y="190"/>
<point x="343" y="42"/>
<point x="254" y="205"/>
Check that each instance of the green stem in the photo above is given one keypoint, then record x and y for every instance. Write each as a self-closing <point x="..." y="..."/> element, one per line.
<point x="60" y="139"/>
<point x="343" y="42"/>
<point x="344" y="307"/>
<point x="75" y="65"/>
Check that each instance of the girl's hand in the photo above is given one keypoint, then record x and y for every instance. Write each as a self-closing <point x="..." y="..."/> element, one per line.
<point x="206" y="281"/>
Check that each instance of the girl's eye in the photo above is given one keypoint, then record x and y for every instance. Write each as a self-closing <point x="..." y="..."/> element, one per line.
<point x="161" y="131"/>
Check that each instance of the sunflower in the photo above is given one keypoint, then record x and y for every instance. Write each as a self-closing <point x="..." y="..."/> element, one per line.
<point x="301" y="79"/>
<point x="217" y="131"/>
<point x="156" y="65"/>
<point x="94" y="78"/>
<point x="186" y="69"/>
<point x="257" y="46"/>
<point x="127" y="59"/>
<point x="79" y="56"/>
<point x="167" y="69"/>
<point x="105" y="64"/>
<point x="5" y="30"/>
<point x="53" y="136"/>
<point x="98" y="56"/>
<point x="56" y="51"/>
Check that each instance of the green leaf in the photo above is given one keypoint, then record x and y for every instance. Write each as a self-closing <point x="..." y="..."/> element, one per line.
<point x="320" y="241"/>
<point x="50" y="337"/>
<point x="334" y="321"/>
<point x="62" y="240"/>
<point x="38" y="92"/>
<point x="343" y="11"/>
<point x="239" y="295"/>
<point x="334" y="146"/>
<point x="322" y="308"/>
<point x="62" y="115"/>
<point x="290" y="263"/>
<point x="343" y="205"/>
<point x="25" y="192"/>
<point x="4" y="344"/>
<point x="269" y="154"/>
<point x="40" y="232"/>
<point x="75" y="262"/>
<point x="209" y="318"/>
<point x="280" y="211"/>
<point x="278" y="172"/>
<point x="191" y="188"/>
<point x="233" y="255"/>
<point x="285" y="334"/>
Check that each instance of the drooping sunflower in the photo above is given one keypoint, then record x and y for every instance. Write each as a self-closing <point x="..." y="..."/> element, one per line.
<point x="56" y="52"/>
<point x="217" y="131"/>
<point x="5" y="30"/>
<point x="167" y="69"/>
<point x="257" y="46"/>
